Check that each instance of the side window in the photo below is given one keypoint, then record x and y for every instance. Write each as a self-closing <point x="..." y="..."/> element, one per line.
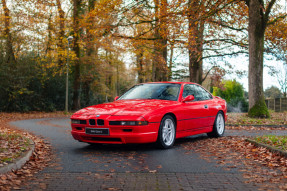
<point x="198" y="92"/>
<point x="189" y="89"/>
<point x="202" y="94"/>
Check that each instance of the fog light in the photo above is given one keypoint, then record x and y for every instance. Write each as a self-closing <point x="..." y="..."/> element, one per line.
<point x="76" y="121"/>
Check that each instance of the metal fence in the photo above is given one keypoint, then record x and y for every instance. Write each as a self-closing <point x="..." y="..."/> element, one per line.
<point x="278" y="104"/>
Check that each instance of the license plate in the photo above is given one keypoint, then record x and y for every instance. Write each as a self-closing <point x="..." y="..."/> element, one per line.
<point x="96" y="131"/>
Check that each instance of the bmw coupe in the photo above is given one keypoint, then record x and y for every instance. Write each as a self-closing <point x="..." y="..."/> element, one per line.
<point x="157" y="112"/>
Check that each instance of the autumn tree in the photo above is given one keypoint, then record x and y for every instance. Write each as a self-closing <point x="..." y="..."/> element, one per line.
<point x="215" y="42"/>
<point x="10" y="56"/>
<point x="195" y="40"/>
<point x="77" y="6"/>
<point x="149" y="20"/>
<point x="110" y="35"/>
<point x="160" y="69"/>
<point x="61" y="34"/>
<point x="259" y="19"/>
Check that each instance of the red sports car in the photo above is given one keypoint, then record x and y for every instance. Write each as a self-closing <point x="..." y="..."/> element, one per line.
<point x="152" y="112"/>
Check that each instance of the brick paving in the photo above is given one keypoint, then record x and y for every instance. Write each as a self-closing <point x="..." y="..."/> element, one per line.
<point x="135" y="167"/>
<point x="140" y="181"/>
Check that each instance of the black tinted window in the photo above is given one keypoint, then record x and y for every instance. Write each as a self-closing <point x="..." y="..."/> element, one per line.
<point x="198" y="92"/>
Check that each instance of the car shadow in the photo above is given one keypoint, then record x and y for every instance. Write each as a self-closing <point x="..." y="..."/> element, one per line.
<point x="195" y="138"/>
<point x="179" y="143"/>
<point x="136" y="157"/>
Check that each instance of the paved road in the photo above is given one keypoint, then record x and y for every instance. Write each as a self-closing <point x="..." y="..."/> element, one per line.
<point x="80" y="166"/>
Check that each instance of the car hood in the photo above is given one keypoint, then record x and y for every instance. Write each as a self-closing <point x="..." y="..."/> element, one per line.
<point x="126" y="107"/>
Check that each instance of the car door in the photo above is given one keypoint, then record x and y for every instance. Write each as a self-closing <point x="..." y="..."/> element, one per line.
<point x="196" y="113"/>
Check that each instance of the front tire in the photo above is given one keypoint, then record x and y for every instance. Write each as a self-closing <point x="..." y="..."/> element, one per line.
<point x="218" y="126"/>
<point x="166" y="133"/>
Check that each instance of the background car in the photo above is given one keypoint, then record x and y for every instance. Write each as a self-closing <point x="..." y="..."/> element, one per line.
<point x="152" y="112"/>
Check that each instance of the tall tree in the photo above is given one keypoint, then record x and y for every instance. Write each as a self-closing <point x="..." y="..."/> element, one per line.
<point x="259" y="19"/>
<point x="61" y="34"/>
<point x="76" y="47"/>
<point x="195" y="40"/>
<point x="10" y="56"/>
<point x="202" y="15"/>
<point x="160" y="69"/>
<point x="91" y="53"/>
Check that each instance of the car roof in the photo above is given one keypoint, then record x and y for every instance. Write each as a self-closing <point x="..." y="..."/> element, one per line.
<point x="169" y="82"/>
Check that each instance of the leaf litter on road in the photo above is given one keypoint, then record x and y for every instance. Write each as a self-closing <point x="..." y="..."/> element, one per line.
<point x="258" y="165"/>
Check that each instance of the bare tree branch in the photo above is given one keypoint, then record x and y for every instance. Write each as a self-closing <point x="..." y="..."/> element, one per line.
<point x="243" y="45"/>
<point x="268" y="10"/>
<point x="277" y="19"/>
<point x="229" y="27"/>
<point x="208" y="73"/>
<point x="227" y="54"/>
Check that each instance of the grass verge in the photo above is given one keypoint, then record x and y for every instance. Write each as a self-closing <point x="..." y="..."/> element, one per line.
<point x="12" y="146"/>
<point x="276" y="118"/>
<point x="279" y="142"/>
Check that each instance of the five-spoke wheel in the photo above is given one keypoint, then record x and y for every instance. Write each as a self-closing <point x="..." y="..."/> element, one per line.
<point x="218" y="126"/>
<point x="166" y="134"/>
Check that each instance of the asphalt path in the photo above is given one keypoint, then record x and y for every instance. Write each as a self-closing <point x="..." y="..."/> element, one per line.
<point x="80" y="166"/>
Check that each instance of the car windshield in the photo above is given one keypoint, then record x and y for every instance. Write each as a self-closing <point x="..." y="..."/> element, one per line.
<point x="164" y="91"/>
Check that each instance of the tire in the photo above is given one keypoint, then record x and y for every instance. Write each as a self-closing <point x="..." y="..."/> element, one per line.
<point x="166" y="133"/>
<point x="218" y="126"/>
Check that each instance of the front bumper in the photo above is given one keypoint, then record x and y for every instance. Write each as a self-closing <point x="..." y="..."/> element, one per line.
<point x="118" y="134"/>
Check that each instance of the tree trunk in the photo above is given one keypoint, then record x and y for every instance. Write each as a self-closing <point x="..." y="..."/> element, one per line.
<point x="90" y="38"/>
<point x="10" y="56"/>
<point x="170" y="62"/>
<point x="256" y="30"/>
<point x="76" y="48"/>
<point x="195" y="43"/>
<point x="91" y="54"/>
<point x="140" y="68"/>
<point x="61" y="35"/>
<point x="49" y="41"/>
<point x="160" y="69"/>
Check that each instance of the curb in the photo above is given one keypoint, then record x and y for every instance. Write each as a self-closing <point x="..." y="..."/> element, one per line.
<point x="19" y="162"/>
<point x="272" y="149"/>
<point x="275" y="126"/>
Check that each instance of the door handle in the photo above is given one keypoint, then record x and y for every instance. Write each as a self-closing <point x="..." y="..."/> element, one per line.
<point x="205" y="106"/>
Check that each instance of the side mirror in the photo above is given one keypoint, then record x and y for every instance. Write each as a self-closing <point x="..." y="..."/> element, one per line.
<point x="188" y="98"/>
<point x="116" y="98"/>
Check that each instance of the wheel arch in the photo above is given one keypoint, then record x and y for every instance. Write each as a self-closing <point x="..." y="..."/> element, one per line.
<point x="221" y="111"/>
<point x="173" y="116"/>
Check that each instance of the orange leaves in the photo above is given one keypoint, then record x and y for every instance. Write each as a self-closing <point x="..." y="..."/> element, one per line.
<point x="239" y="120"/>
<point x="259" y="165"/>
<point x="39" y="159"/>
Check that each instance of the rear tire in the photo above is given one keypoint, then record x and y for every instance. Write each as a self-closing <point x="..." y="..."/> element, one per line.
<point x="166" y="133"/>
<point x="218" y="126"/>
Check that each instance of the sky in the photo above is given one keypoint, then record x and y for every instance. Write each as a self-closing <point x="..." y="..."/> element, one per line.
<point x="241" y="63"/>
